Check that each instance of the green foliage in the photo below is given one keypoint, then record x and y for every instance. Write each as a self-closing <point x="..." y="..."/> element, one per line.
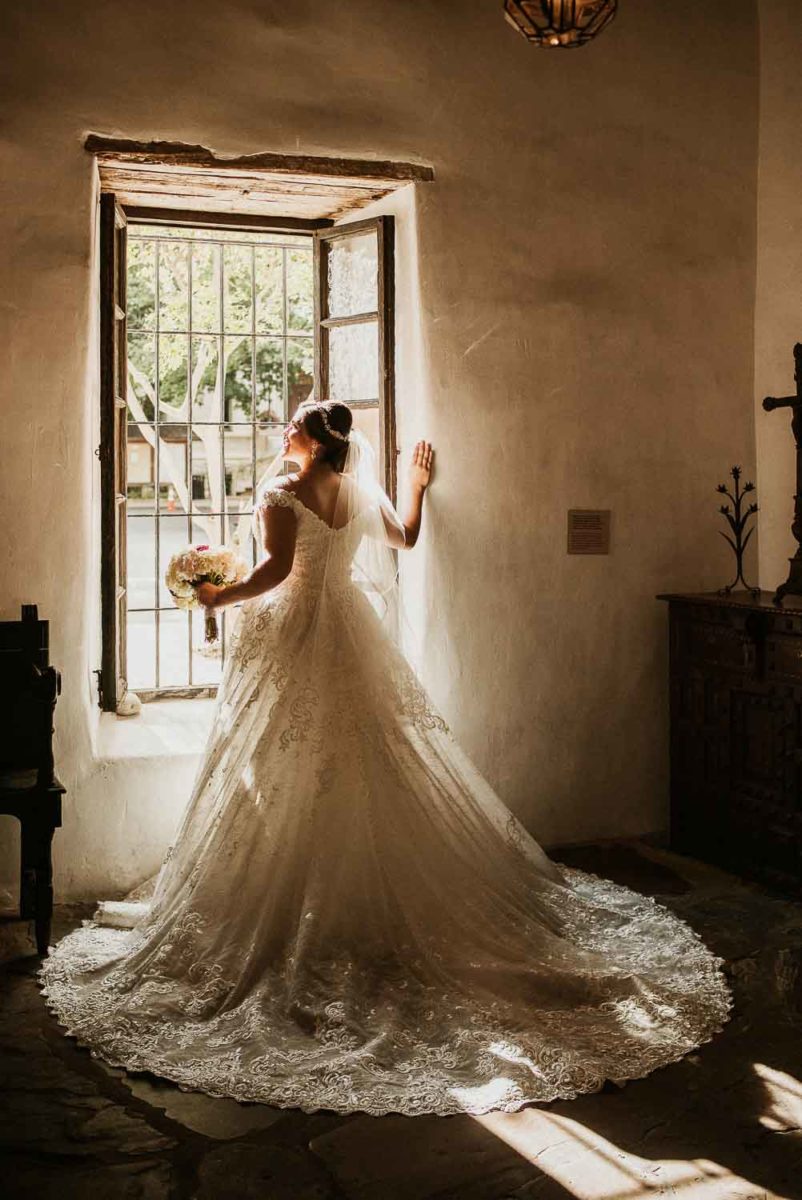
<point x="254" y="301"/>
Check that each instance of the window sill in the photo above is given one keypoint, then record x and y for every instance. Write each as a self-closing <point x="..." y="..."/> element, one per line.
<point x="163" y="729"/>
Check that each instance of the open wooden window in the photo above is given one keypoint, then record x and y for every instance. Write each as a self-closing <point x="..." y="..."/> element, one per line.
<point x="113" y="386"/>
<point x="211" y="336"/>
<point x="195" y="390"/>
<point x="354" y="330"/>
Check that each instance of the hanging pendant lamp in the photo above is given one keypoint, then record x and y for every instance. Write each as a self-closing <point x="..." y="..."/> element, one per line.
<point x="559" y="23"/>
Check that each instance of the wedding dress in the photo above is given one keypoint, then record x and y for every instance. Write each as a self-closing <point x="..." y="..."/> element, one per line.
<point x="350" y="918"/>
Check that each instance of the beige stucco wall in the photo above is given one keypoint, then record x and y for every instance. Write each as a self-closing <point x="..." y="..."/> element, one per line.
<point x="778" y="308"/>
<point x="575" y="330"/>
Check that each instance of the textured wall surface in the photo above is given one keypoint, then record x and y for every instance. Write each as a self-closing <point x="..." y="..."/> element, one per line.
<point x="778" y="308"/>
<point x="575" y="330"/>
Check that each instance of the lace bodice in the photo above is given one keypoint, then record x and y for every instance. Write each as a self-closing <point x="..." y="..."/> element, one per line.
<point x="320" y="551"/>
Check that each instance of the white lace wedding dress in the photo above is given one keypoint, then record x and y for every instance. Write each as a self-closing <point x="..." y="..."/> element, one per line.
<point x="352" y="920"/>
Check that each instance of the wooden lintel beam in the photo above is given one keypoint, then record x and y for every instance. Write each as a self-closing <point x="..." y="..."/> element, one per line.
<point x="184" y="155"/>
<point x="235" y="185"/>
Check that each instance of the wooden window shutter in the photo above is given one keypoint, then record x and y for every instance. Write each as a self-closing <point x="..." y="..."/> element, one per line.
<point x="113" y="435"/>
<point x="355" y="330"/>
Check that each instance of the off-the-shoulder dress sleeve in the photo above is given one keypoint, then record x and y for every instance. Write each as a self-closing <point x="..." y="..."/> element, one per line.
<point x="275" y="497"/>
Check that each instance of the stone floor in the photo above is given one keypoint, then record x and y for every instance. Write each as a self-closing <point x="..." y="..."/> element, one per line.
<point x="724" y="1124"/>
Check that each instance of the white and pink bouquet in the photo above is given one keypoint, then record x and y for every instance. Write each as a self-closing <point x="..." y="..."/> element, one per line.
<point x="202" y="564"/>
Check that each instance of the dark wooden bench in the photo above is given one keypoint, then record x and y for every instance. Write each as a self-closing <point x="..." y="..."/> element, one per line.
<point x="29" y="789"/>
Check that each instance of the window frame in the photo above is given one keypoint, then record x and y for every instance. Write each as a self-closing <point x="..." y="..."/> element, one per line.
<point x="112" y="451"/>
<point x="384" y="315"/>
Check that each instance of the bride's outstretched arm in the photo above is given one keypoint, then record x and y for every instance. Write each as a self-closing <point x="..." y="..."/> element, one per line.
<point x="420" y="473"/>
<point x="279" y="525"/>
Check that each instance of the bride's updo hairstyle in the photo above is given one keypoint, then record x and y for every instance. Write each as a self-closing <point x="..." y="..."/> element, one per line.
<point x="330" y="424"/>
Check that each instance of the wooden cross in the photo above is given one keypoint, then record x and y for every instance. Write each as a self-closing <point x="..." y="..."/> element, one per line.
<point x="793" y="583"/>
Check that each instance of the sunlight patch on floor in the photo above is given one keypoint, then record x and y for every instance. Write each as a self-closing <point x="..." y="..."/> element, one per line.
<point x="784" y="1095"/>
<point x="591" y="1168"/>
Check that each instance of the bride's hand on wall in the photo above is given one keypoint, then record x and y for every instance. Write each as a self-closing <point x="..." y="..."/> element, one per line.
<point x="420" y="469"/>
<point x="420" y="474"/>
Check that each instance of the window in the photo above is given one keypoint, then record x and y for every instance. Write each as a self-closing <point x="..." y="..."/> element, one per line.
<point x="211" y="336"/>
<point x="355" y="327"/>
<point x="219" y="342"/>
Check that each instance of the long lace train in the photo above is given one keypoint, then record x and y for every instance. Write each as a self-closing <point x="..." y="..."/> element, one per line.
<point x="352" y="920"/>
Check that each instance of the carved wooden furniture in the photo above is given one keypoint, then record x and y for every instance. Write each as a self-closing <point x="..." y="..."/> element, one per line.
<point x="736" y="733"/>
<point x="29" y="789"/>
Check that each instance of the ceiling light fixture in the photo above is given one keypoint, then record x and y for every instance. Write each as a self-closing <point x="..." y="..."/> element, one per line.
<point x="559" y="23"/>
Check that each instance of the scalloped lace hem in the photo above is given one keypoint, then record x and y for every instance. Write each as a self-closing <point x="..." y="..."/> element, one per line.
<point x="403" y="1106"/>
<point x="459" y="1056"/>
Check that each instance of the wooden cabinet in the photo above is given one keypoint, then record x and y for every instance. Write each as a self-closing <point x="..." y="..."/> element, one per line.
<point x="736" y="733"/>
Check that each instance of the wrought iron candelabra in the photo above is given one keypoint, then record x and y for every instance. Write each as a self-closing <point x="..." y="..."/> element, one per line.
<point x="737" y="518"/>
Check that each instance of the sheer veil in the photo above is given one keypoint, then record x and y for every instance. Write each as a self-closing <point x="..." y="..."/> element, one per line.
<point x="363" y="500"/>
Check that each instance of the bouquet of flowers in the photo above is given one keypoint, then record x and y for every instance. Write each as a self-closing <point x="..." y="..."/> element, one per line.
<point x="202" y="564"/>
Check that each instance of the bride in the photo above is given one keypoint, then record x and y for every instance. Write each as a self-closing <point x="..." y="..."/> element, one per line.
<point x="350" y="918"/>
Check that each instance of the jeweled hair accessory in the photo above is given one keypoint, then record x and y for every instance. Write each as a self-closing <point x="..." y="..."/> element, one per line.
<point x="324" y="416"/>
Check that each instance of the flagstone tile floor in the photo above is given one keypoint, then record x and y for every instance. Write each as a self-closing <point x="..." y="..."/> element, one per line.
<point x="723" y="1124"/>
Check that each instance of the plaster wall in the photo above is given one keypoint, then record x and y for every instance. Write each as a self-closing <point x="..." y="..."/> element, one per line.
<point x="778" y="311"/>
<point x="576" y="327"/>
